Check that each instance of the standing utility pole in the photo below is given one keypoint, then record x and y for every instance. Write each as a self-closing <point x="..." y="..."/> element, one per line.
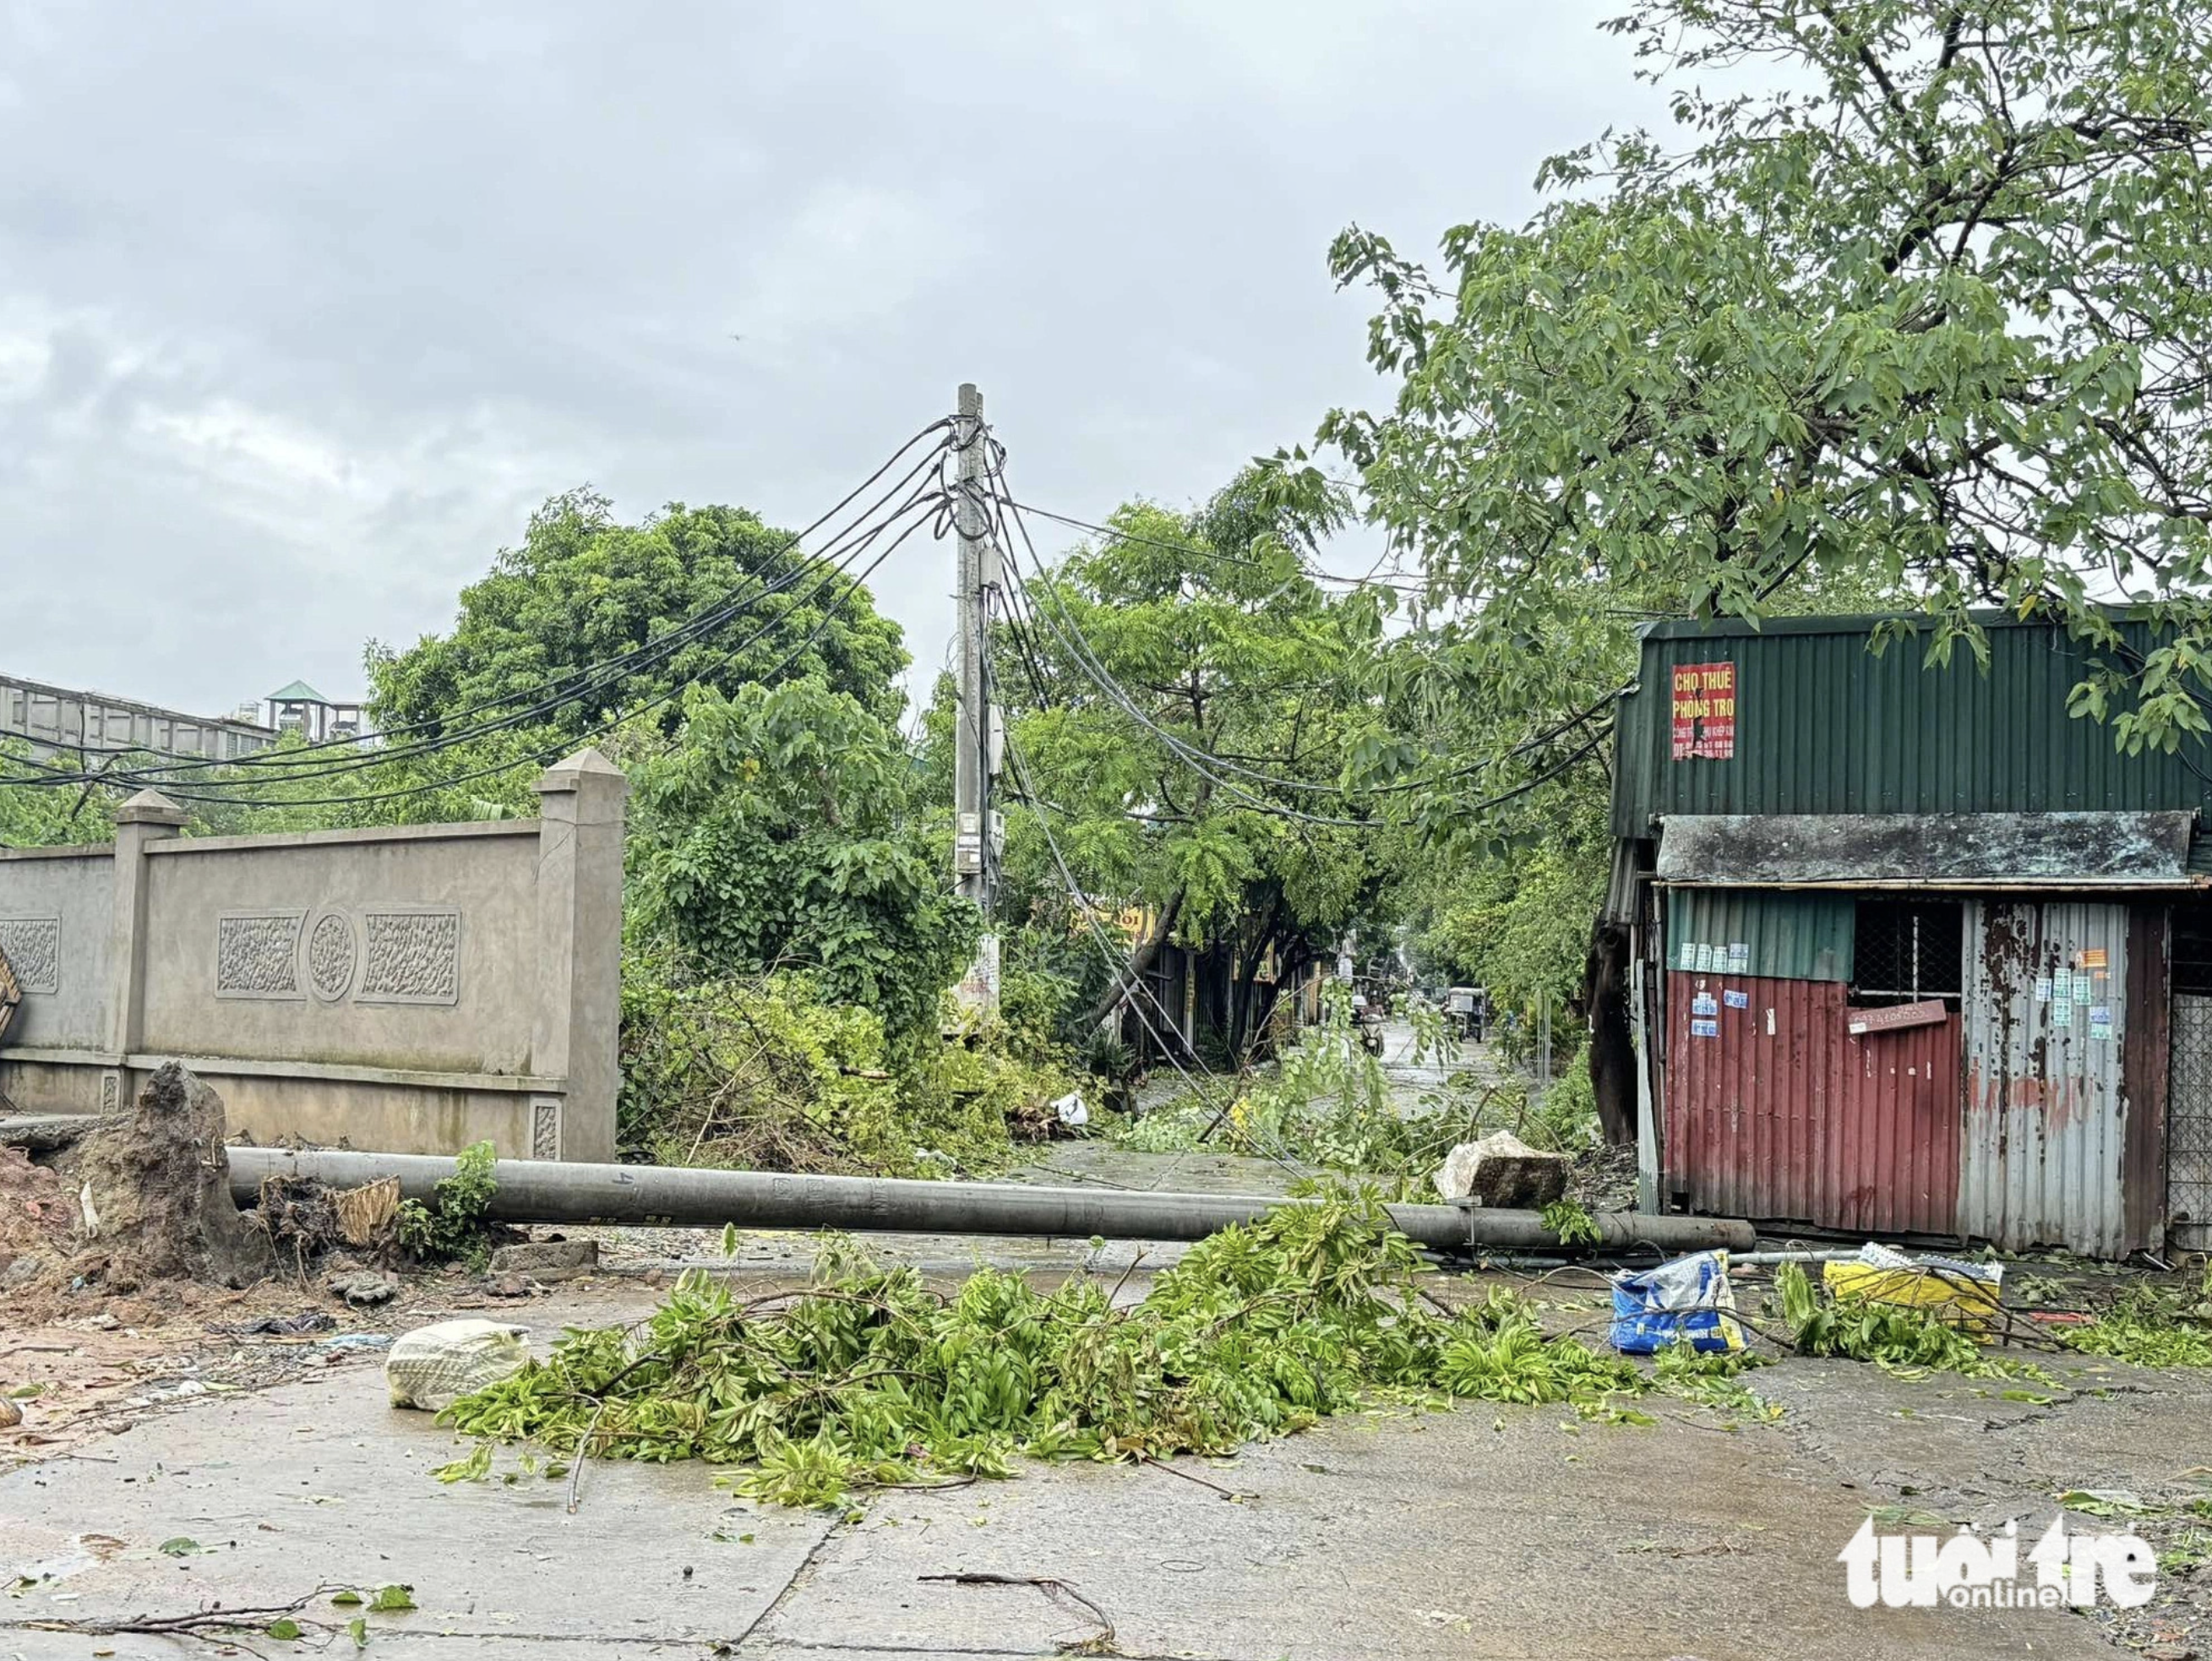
<point x="975" y="847"/>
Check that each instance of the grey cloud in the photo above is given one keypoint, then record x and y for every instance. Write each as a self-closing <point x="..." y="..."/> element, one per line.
<point x="302" y="309"/>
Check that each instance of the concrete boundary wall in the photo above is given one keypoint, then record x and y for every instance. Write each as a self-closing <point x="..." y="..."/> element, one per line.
<point x="411" y="989"/>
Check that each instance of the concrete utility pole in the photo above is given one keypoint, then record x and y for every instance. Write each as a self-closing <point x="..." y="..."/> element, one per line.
<point x="975" y="848"/>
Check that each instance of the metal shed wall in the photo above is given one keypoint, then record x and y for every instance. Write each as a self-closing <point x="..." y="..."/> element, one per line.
<point x="1825" y="725"/>
<point x="2064" y="1120"/>
<point x="1784" y="1115"/>
<point x="1792" y="936"/>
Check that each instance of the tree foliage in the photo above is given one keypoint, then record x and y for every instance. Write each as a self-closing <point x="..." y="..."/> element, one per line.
<point x="1931" y="319"/>
<point x="584" y="589"/>
<point x="1209" y="803"/>
<point x="39" y="816"/>
<point x="777" y="831"/>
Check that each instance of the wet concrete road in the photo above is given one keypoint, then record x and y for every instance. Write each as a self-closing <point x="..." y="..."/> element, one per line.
<point x="1486" y="1532"/>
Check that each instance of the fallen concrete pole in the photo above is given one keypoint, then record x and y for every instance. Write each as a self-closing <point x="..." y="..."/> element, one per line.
<point x="544" y="1191"/>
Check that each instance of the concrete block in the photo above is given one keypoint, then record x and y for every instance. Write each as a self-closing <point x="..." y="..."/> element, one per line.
<point x="547" y="1260"/>
<point x="1502" y="1170"/>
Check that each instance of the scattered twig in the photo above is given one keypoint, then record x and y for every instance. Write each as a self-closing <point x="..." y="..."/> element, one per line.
<point x="1099" y="1643"/>
<point x="583" y="1452"/>
<point x="225" y="1625"/>
<point x="1114" y="1297"/>
<point x="1229" y="1494"/>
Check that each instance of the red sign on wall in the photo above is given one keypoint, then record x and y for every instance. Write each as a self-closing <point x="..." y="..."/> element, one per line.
<point x="1705" y="711"/>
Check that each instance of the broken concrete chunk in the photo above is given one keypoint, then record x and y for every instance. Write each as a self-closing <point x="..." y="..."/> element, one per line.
<point x="154" y="1191"/>
<point x="547" y="1260"/>
<point x="1502" y="1170"/>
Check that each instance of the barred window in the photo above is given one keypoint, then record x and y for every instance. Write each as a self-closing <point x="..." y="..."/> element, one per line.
<point x="2192" y="949"/>
<point x="1908" y="950"/>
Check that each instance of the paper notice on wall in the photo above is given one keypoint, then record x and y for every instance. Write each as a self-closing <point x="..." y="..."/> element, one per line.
<point x="1704" y="1029"/>
<point x="2100" y="1020"/>
<point x="1736" y="1000"/>
<point x="2062" y="985"/>
<point x="1689" y="956"/>
<point x="2043" y="988"/>
<point x="1739" y="957"/>
<point x="2082" y="990"/>
<point x="2061" y="1013"/>
<point x="1702" y="1004"/>
<point x="1706" y="960"/>
<point x="2096" y="957"/>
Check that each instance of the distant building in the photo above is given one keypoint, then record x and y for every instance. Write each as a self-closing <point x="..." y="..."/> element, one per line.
<point x="86" y="726"/>
<point x="300" y="708"/>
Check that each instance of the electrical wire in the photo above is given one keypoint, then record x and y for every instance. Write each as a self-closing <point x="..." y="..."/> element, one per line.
<point x="544" y="755"/>
<point x="554" y="693"/>
<point x="1370" y="580"/>
<point x="298" y="763"/>
<point x="1204" y="762"/>
<point x="358" y="760"/>
<point x="1136" y="984"/>
<point x="597" y="677"/>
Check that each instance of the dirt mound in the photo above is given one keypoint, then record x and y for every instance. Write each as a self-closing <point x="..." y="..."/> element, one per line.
<point x="156" y="1193"/>
<point x="35" y="1215"/>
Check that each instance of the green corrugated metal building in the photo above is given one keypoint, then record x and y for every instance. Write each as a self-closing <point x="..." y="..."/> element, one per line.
<point x="1909" y="951"/>
<point x="1823" y="724"/>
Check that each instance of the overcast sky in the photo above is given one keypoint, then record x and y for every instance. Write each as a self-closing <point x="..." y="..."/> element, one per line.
<point x="303" y="306"/>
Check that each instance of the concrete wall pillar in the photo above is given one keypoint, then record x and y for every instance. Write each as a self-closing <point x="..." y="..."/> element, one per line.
<point x="579" y="908"/>
<point x="147" y="817"/>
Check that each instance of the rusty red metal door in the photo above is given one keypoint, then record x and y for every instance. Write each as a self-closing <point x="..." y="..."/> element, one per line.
<point x="1776" y="1110"/>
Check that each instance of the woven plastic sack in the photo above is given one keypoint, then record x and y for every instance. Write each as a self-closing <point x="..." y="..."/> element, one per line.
<point x="1968" y="1296"/>
<point x="434" y="1366"/>
<point x="1686" y="1301"/>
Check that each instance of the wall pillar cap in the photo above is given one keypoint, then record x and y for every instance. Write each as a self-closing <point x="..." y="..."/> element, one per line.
<point x="569" y="775"/>
<point x="151" y="807"/>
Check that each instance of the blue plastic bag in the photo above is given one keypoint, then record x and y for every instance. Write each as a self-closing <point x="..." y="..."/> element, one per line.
<point x="1686" y="1301"/>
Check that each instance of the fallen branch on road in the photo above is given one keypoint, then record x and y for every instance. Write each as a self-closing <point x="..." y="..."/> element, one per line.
<point x="1099" y="1643"/>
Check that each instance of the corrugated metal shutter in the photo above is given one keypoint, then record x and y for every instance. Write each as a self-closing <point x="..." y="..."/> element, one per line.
<point x="1774" y="1111"/>
<point x="1790" y="936"/>
<point x="2046" y="1103"/>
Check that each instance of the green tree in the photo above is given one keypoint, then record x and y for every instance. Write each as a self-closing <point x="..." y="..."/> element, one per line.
<point x="778" y="831"/>
<point x="584" y="589"/>
<point x="46" y="816"/>
<point x="1928" y="317"/>
<point x="1209" y="802"/>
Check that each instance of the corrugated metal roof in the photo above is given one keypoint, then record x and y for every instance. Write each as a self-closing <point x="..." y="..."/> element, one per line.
<point x="1818" y="723"/>
<point x="2016" y="849"/>
<point x="1790" y="936"/>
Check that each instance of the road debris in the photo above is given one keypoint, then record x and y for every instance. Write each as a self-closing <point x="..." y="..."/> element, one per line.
<point x="365" y="1288"/>
<point x="433" y="1367"/>
<point x="548" y="1262"/>
<point x="1502" y="1170"/>
<point x="1687" y="1301"/>
<point x="1098" y="1643"/>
